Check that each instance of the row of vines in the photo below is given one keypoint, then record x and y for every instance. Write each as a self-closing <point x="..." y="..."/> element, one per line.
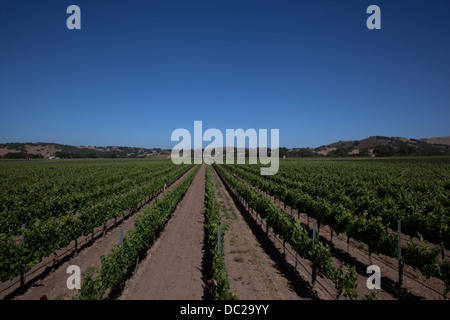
<point x="290" y="230"/>
<point x="363" y="214"/>
<point x="114" y="266"/>
<point x="44" y="207"/>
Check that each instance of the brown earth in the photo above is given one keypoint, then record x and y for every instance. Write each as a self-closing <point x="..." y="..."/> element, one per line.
<point x="415" y="285"/>
<point x="45" y="280"/>
<point x="260" y="266"/>
<point x="45" y="150"/>
<point x="172" y="269"/>
<point x="438" y="140"/>
<point x="256" y="271"/>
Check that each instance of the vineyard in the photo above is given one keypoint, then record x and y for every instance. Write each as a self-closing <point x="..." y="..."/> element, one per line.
<point x="321" y="222"/>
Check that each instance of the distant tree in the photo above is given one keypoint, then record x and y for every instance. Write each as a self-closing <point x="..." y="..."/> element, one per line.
<point x="302" y="152"/>
<point x="364" y="152"/>
<point x="60" y="154"/>
<point x="406" y="150"/>
<point x="382" y="137"/>
<point x="283" y="152"/>
<point x="22" y="155"/>
<point x="383" y="151"/>
<point x="15" y="155"/>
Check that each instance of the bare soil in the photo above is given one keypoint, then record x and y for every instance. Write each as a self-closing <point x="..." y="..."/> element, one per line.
<point x="415" y="286"/>
<point x="173" y="268"/>
<point x="260" y="266"/>
<point x="438" y="140"/>
<point x="257" y="270"/>
<point x="48" y="278"/>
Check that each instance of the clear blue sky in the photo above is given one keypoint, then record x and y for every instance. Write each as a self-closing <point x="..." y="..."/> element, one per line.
<point x="137" y="70"/>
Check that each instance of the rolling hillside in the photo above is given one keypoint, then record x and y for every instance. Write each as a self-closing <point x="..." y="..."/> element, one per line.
<point x="50" y="150"/>
<point x="379" y="146"/>
<point x="372" y="146"/>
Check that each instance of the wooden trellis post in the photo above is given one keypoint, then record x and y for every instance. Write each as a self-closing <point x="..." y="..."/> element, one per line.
<point x="399" y="257"/>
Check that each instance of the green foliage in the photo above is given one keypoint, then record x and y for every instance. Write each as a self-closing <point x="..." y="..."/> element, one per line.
<point x="422" y="257"/>
<point x="212" y="222"/>
<point x="89" y="288"/>
<point x="59" y="203"/>
<point x="21" y="155"/>
<point x="114" y="265"/>
<point x="345" y="281"/>
<point x="372" y="296"/>
<point x="363" y="199"/>
<point x="289" y="229"/>
<point x="384" y="151"/>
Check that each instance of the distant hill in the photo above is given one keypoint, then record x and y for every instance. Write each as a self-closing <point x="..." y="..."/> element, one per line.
<point x="54" y="150"/>
<point x="372" y="146"/>
<point x="378" y="146"/>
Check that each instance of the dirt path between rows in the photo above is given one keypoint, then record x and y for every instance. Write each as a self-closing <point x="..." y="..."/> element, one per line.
<point x="53" y="284"/>
<point x="172" y="269"/>
<point x="415" y="286"/>
<point x="256" y="269"/>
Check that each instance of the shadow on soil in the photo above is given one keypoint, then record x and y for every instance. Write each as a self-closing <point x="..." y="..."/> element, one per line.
<point x="209" y="287"/>
<point x="388" y="284"/>
<point x="298" y="283"/>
